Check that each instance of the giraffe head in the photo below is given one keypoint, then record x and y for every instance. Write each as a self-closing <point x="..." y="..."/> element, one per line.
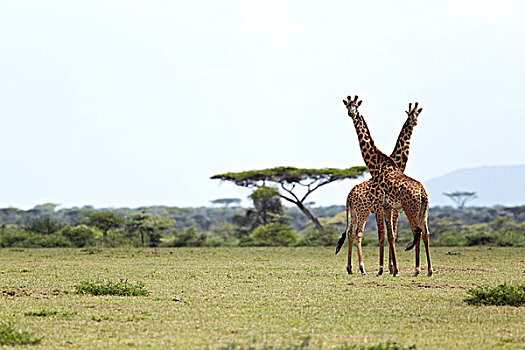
<point x="413" y="113"/>
<point x="352" y="106"/>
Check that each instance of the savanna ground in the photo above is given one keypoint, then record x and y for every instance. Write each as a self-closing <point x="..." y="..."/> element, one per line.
<point x="213" y="298"/>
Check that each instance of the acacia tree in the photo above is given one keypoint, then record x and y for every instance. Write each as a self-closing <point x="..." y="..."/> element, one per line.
<point x="105" y="221"/>
<point x="226" y="201"/>
<point x="148" y="224"/>
<point x="267" y="204"/>
<point x="461" y="197"/>
<point x="289" y="179"/>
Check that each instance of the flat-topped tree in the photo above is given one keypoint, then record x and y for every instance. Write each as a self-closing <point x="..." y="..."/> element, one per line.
<point x="288" y="178"/>
<point x="461" y="197"/>
<point x="226" y="201"/>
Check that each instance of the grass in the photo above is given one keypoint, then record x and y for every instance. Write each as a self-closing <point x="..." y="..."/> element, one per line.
<point x="42" y="313"/>
<point x="380" y="346"/>
<point x="108" y="287"/>
<point x="11" y="336"/>
<point x="260" y="298"/>
<point x="503" y="294"/>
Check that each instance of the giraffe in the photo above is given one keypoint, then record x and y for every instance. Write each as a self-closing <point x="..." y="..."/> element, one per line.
<point x="390" y="190"/>
<point x="359" y="204"/>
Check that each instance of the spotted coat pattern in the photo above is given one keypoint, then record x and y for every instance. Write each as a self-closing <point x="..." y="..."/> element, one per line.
<point x="391" y="190"/>
<point x="359" y="202"/>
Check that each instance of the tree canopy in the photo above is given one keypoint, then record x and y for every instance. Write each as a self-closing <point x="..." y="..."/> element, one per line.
<point x="461" y="197"/>
<point x="289" y="177"/>
<point x="226" y="201"/>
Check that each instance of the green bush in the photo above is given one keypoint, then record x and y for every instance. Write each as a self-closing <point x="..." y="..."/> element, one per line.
<point x="213" y="241"/>
<point x="503" y="294"/>
<point x="45" y="226"/>
<point x="272" y="234"/>
<point x="312" y="237"/>
<point x="79" y="236"/>
<point x="509" y="238"/>
<point x="450" y="239"/>
<point x="480" y="238"/>
<point x="189" y="238"/>
<point x="24" y="239"/>
<point x="12" y="337"/>
<point x="107" y="287"/>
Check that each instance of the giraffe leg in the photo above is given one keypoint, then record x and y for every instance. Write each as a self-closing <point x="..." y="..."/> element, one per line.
<point x="395" y="217"/>
<point x="391" y="241"/>
<point x="381" y="236"/>
<point x="416" y="232"/>
<point x="427" y="248"/>
<point x="358" y="238"/>
<point x="350" y="243"/>
<point x="418" y="254"/>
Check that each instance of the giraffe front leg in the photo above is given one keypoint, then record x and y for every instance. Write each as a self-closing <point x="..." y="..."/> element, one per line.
<point x="358" y="238"/>
<point x="381" y="236"/>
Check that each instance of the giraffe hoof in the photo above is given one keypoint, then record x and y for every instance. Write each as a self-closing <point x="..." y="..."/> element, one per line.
<point x="380" y="272"/>
<point x="349" y="269"/>
<point x="395" y="274"/>
<point x="362" y="269"/>
<point x="430" y="272"/>
<point x="415" y="274"/>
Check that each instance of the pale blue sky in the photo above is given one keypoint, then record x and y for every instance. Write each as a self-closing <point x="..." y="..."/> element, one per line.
<point x="129" y="103"/>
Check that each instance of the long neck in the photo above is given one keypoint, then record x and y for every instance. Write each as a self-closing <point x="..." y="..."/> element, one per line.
<point x="401" y="149"/>
<point x="372" y="156"/>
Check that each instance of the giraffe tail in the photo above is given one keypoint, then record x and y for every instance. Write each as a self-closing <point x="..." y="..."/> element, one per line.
<point x="422" y="218"/>
<point x="343" y="235"/>
<point x="417" y="234"/>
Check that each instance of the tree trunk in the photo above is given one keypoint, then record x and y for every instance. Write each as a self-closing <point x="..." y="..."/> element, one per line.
<point x="311" y="216"/>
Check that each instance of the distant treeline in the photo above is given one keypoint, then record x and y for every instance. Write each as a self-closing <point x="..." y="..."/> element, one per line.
<point x="45" y="226"/>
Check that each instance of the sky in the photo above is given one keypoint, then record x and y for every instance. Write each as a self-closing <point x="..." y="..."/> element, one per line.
<point x="131" y="103"/>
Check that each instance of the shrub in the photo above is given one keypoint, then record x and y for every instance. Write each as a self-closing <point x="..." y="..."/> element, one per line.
<point x="45" y="226"/>
<point x="509" y="238"/>
<point x="189" y="238"/>
<point x="451" y="239"/>
<point x="312" y="236"/>
<point x="503" y="294"/>
<point x="11" y="337"/>
<point x="272" y="234"/>
<point x="33" y="240"/>
<point x="107" y="287"/>
<point x="79" y="236"/>
<point x="480" y="238"/>
<point x="213" y="241"/>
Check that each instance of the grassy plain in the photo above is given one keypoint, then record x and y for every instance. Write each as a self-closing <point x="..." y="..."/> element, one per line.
<point x="212" y="298"/>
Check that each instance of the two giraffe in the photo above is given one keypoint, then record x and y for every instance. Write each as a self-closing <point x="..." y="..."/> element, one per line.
<point x="388" y="192"/>
<point x="359" y="203"/>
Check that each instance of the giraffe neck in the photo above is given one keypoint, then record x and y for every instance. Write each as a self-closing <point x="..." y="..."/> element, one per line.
<point x="373" y="157"/>
<point x="401" y="149"/>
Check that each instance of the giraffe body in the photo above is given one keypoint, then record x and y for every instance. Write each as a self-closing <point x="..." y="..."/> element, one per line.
<point x="359" y="201"/>
<point x="391" y="190"/>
